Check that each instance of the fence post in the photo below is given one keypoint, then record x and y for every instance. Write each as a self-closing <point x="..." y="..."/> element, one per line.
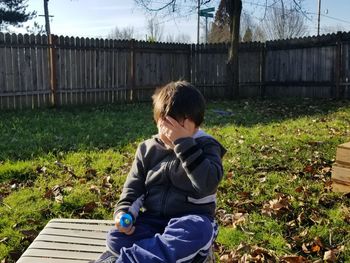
<point x="262" y="69"/>
<point x="52" y="67"/>
<point x="132" y="69"/>
<point x="194" y="53"/>
<point x="189" y="65"/>
<point x="338" y="65"/>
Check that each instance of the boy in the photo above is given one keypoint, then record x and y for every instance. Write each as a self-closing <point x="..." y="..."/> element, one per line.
<point x="174" y="178"/>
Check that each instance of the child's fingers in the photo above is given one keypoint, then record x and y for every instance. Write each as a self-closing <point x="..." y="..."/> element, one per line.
<point x="172" y="121"/>
<point x="165" y="127"/>
<point x="164" y="130"/>
<point x="126" y="230"/>
<point x="189" y="125"/>
<point x="131" y="231"/>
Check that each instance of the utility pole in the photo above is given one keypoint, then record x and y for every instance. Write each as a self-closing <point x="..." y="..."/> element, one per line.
<point x="318" y="17"/>
<point x="47" y="20"/>
<point x="198" y="7"/>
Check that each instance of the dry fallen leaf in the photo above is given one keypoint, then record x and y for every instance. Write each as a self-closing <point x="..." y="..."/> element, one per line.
<point x="330" y="256"/>
<point x="29" y="235"/>
<point x="56" y="193"/>
<point x="95" y="189"/>
<point x="308" y="169"/>
<point x="106" y="182"/>
<point x="90" y="173"/>
<point x="276" y="206"/>
<point x="239" y="218"/>
<point x="315" y="248"/>
<point x="262" y="179"/>
<point x="293" y="259"/>
<point x="229" y="175"/>
<point x="305" y="249"/>
<point x="89" y="207"/>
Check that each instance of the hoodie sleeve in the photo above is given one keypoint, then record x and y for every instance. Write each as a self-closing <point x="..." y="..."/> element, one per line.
<point x="131" y="198"/>
<point x="202" y="163"/>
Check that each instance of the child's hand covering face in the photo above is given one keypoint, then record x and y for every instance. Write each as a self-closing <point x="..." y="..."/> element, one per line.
<point x="170" y="130"/>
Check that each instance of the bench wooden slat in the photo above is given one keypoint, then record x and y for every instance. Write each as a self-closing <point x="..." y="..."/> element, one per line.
<point x="59" y="254"/>
<point x="70" y="226"/>
<point x="74" y="233"/>
<point x="49" y="260"/>
<point x="72" y="240"/>
<point x="67" y="247"/>
<point x="82" y="221"/>
<point x="68" y="241"/>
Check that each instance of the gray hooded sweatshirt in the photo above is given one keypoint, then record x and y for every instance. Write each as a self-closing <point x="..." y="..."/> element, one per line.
<point x="174" y="182"/>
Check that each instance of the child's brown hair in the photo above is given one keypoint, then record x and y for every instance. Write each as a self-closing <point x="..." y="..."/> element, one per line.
<point x="179" y="100"/>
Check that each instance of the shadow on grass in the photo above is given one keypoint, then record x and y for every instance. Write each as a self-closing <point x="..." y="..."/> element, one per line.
<point x="34" y="133"/>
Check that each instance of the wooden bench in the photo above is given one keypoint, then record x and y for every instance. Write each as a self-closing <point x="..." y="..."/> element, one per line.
<point x="71" y="241"/>
<point x="68" y="241"/>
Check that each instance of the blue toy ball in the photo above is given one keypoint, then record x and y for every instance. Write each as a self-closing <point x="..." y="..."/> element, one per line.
<point x="125" y="220"/>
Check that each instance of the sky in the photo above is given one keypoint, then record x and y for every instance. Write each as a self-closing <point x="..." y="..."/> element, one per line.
<point x="97" y="18"/>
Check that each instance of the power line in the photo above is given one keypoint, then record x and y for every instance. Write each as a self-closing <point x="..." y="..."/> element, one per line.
<point x="337" y="19"/>
<point x="330" y="17"/>
<point x="310" y="13"/>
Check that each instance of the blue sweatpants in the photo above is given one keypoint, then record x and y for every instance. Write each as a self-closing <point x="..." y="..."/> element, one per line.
<point x="160" y="240"/>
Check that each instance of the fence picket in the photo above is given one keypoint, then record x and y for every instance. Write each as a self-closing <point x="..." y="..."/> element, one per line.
<point x="40" y="71"/>
<point x="8" y="71"/>
<point x="46" y="86"/>
<point x="79" y="64"/>
<point x="22" y="99"/>
<point x="2" y="70"/>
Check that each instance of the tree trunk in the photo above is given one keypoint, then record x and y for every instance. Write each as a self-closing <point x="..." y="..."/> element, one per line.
<point x="234" y="9"/>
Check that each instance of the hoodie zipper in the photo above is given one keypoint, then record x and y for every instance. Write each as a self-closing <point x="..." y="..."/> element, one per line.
<point x="166" y="192"/>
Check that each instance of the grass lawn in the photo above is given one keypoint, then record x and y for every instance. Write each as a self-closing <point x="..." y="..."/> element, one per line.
<point x="275" y="202"/>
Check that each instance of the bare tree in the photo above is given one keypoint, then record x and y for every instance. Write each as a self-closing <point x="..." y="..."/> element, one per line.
<point x="249" y="30"/>
<point x="282" y="23"/>
<point x="248" y="35"/>
<point x="247" y="24"/>
<point x="220" y="28"/>
<point x="259" y="34"/>
<point x="126" y="33"/>
<point x="154" y="30"/>
<point x="219" y="34"/>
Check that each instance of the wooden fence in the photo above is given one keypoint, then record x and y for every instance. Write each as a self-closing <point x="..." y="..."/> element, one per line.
<point x="316" y="67"/>
<point x="93" y="71"/>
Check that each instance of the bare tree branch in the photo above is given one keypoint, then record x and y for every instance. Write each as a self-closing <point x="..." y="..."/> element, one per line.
<point x="300" y="9"/>
<point x="142" y="3"/>
<point x="265" y="11"/>
<point x="147" y="4"/>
